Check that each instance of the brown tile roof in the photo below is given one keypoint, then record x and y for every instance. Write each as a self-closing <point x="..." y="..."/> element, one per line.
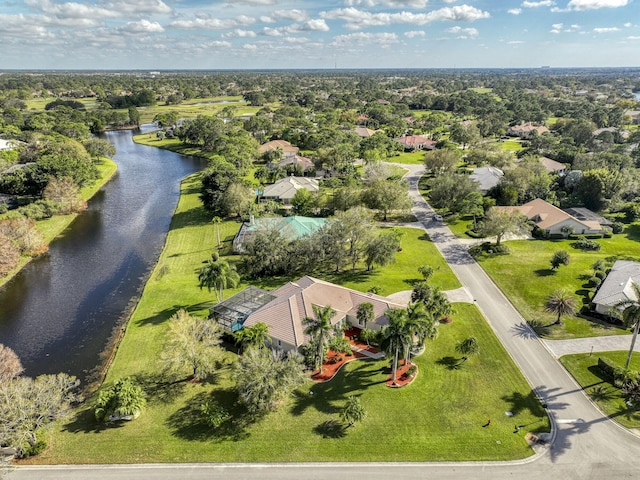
<point x="282" y="144"/>
<point x="546" y="215"/>
<point x="294" y="302"/>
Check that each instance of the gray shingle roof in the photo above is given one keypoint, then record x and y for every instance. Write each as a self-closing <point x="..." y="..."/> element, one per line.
<point x="618" y="284"/>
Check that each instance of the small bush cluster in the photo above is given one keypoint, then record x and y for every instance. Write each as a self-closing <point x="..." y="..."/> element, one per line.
<point x="582" y="243"/>
<point x="40" y="209"/>
<point x="489" y="249"/>
<point x="617" y="227"/>
<point x="595" y="282"/>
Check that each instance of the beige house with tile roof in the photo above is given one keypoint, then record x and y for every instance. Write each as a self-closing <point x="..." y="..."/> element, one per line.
<point x="554" y="221"/>
<point x="285" y="189"/>
<point x="288" y="150"/>
<point x="526" y="130"/>
<point x="285" y="309"/>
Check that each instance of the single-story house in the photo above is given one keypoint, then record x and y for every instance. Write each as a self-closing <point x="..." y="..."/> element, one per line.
<point x="416" y="142"/>
<point x="285" y="309"/>
<point x="618" y="286"/>
<point x="554" y="221"/>
<point x="585" y="215"/>
<point x="288" y="150"/>
<point x="364" y="132"/>
<point x="552" y="166"/>
<point x="304" y="162"/>
<point x="486" y="177"/>
<point x="291" y="228"/>
<point x="285" y="189"/>
<point x="526" y="130"/>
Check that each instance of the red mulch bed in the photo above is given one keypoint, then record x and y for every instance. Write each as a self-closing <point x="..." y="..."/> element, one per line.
<point x="352" y="336"/>
<point x="402" y="379"/>
<point x="329" y="368"/>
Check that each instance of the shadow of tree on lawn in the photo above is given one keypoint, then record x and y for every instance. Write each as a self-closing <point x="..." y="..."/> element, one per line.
<point x="189" y="424"/>
<point x="330" y="429"/>
<point x="451" y="363"/>
<point x="544" y="272"/>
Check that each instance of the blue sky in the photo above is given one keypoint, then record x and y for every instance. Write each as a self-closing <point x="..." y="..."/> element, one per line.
<point x="259" y="34"/>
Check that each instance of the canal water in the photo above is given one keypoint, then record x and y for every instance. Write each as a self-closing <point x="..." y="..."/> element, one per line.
<point x="58" y="313"/>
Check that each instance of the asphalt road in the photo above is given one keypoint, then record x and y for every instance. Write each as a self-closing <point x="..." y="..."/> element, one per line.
<point x="585" y="445"/>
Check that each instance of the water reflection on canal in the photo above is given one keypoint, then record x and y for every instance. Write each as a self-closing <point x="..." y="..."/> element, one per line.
<point x="59" y="311"/>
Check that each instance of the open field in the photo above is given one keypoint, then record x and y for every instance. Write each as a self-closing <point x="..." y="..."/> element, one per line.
<point x="584" y="369"/>
<point x="438" y="417"/>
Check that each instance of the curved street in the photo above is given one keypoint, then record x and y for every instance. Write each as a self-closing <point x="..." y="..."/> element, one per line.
<point x="585" y="444"/>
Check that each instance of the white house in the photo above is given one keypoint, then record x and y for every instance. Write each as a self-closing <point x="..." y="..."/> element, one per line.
<point x="285" y="188"/>
<point x="618" y="286"/>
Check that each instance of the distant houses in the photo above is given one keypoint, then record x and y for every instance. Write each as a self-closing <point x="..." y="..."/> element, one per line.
<point x="416" y="142"/>
<point x="486" y="177"/>
<point x="526" y="130"/>
<point x="289" y="154"/>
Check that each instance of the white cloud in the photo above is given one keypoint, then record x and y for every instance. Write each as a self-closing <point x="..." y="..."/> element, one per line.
<point x="240" y="33"/>
<point x="142" y="26"/>
<point x="391" y="3"/>
<point x="514" y="11"/>
<point x="628" y="25"/>
<point x="414" y="33"/>
<point x="293" y="15"/>
<point x="315" y="25"/>
<point x="515" y="42"/>
<point x="470" y="32"/>
<point x="633" y="37"/>
<point x="364" y="39"/>
<point x="595" y="4"/>
<point x="204" y="23"/>
<point x="541" y="3"/>
<point x="138" y="7"/>
<point x="556" y="28"/>
<point x="606" y="29"/>
<point x="71" y="9"/>
<point x="266" y="19"/>
<point x="356" y="19"/>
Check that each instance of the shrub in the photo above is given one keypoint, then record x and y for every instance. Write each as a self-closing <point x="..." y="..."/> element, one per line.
<point x="489" y="249"/>
<point x="607" y="235"/>
<point x="607" y="367"/>
<point x="600" y="274"/>
<point x="123" y="399"/>
<point x="40" y="210"/>
<point x="595" y="282"/>
<point x="34" y="449"/>
<point x="214" y="415"/>
<point x="412" y="371"/>
<point x="340" y="344"/>
<point x="617" y="227"/>
<point x="587" y="245"/>
<point x="559" y="258"/>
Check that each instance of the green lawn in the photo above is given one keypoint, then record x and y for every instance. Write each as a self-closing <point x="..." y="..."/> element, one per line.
<point x="584" y="368"/>
<point x="54" y="226"/>
<point x="511" y="146"/>
<point x="526" y="278"/>
<point x="410" y="158"/>
<point x="439" y="417"/>
<point x="460" y="225"/>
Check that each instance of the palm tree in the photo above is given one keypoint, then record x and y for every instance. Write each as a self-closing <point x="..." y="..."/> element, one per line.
<point x="396" y="337"/>
<point x="420" y="325"/>
<point x="467" y="347"/>
<point x="560" y="303"/>
<point x="216" y="221"/>
<point x="365" y="313"/>
<point x="320" y="329"/>
<point x="630" y="309"/>
<point x="254" y="336"/>
<point x="218" y="274"/>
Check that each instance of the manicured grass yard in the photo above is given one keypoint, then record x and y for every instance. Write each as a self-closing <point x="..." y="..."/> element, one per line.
<point x="525" y="276"/>
<point x="584" y="369"/>
<point x="438" y="417"/>
<point x="411" y="158"/>
<point x="511" y="146"/>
